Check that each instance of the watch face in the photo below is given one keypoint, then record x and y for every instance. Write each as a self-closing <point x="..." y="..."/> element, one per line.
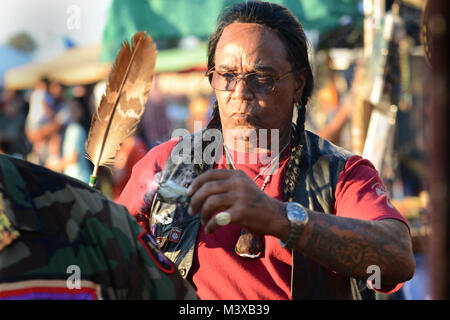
<point x="296" y="213"/>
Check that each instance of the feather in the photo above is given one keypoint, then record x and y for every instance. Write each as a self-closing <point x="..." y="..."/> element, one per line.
<point x="123" y="102"/>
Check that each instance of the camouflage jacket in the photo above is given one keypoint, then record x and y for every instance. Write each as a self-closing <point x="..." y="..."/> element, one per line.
<point x="61" y="239"/>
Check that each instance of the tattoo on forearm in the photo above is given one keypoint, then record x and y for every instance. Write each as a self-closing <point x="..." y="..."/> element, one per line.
<point x="349" y="246"/>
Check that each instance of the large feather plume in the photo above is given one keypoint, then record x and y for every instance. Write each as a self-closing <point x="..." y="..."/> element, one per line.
<point x="123" y="103"/>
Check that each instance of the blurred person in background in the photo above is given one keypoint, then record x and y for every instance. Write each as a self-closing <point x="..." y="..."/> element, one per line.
<point x="13" y="114"/>
<point x="73" y="161"/>
<point x="84" y="95"/>
<point x="155" y="125"/>
<point x="45" y="132"/>
<point x="329" y="112"/>
<point x="61" y="116"/>
<point x="198" y="114"/>
<point x="39" y="114"/>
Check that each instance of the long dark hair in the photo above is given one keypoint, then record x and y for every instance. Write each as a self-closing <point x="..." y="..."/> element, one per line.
<point x="280" y="20"/>
<point x="290" y="31"/>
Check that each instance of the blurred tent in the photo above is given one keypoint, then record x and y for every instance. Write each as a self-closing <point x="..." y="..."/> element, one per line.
<point x="10" y="58"/>
<point x="172" y="60"/>
<point x="80" y="65"/>
<point x="178" y="18"/>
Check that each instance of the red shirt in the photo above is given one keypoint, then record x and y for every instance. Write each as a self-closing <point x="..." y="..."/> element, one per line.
<point x="359" y="194"/>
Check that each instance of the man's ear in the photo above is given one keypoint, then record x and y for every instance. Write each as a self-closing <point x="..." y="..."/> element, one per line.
<point x="300" y="81"/>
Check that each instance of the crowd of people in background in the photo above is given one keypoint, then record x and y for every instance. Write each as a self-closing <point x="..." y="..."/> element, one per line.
<point x="48" y="125"/>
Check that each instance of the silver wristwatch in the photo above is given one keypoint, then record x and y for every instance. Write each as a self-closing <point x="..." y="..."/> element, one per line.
<point x="298" y="218"/>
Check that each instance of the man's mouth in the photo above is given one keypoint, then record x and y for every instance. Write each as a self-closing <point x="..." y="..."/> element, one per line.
<point x="245" y="119"/>
<point x="242" y="116"/>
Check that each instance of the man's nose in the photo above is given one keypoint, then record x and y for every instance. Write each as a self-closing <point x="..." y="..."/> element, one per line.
<point x="241" y="90"/>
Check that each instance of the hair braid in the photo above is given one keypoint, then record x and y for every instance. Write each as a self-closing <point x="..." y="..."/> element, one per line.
<point x="293" y="166"/>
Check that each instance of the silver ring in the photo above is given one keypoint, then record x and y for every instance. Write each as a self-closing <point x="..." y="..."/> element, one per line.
<point x="223" y="218"/>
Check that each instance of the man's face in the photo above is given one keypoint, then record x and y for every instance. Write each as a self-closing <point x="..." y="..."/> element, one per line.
<point x="246" y="48"/>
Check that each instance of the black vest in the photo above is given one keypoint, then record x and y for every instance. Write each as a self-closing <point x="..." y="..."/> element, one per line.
<point x="320" y="165"/>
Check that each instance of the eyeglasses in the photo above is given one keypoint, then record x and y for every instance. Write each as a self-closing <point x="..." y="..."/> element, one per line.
<point x="255" y="81"/>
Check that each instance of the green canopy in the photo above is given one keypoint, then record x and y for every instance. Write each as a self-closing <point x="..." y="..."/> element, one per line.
<point x="169" y="19"/>
<point x="173" y="60"/>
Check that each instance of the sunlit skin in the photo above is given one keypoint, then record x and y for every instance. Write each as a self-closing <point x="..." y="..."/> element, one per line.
<point x="243" y="109"/>
<point x="245" y="48"/>
<point x="347" y="246"/>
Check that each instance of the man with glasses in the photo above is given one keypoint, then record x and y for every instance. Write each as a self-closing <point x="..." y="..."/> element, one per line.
<point x="308" y="223"/>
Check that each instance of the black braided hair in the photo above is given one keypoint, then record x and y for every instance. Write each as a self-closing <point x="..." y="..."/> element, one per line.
<point x="293" y="165"/>
<point x="280" y="20"/>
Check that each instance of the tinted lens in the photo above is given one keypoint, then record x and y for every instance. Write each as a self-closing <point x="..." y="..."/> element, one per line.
<point x="255" y="82"/>
<point x="220" y="82"/>
<point x="260" y="83"/>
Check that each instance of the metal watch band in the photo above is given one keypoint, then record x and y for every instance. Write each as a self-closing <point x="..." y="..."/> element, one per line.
<point x="298" y="217"/>
<point x="294" y="234"/>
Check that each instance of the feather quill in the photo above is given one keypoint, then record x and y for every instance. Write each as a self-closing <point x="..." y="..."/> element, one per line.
<point x="123" y="102"/>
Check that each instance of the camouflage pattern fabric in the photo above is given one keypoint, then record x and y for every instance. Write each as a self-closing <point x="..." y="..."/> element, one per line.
<point x="61" y="239"/>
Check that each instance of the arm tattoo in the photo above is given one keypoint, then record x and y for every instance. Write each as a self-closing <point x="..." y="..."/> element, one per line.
<point x="349" y="246"/>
